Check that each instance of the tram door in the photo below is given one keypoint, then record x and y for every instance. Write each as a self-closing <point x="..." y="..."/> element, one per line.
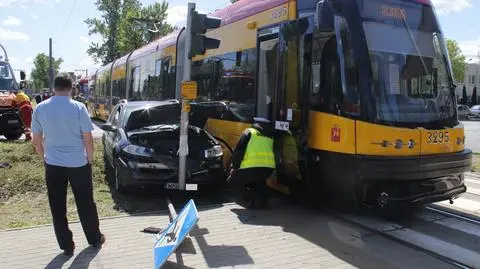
<point x="279" y="94"/>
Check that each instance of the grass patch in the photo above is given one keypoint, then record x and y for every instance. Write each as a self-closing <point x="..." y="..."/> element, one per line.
<point x="23" y="193"/>
<point x="476" y="162"/>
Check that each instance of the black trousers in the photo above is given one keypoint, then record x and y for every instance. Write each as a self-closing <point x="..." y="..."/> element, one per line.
<point x="81" y="182"/>
<point x="253" y="178"/>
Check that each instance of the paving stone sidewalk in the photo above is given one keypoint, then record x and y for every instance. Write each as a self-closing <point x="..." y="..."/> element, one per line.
<point x="227" y="236"/>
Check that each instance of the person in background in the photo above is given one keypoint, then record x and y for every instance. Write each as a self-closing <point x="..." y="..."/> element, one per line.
<point x="253" y="162"/>
<point x="25" y="110"/>
<point x="62" y="136"/>
<point x="38" y="98"/>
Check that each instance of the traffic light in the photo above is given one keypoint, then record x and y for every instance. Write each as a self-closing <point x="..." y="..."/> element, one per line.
<point x="200" y="23"/>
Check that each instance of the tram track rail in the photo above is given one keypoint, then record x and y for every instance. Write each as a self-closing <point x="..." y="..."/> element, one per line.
<point x="454" y="214"/>
<point x="408" y="237"/>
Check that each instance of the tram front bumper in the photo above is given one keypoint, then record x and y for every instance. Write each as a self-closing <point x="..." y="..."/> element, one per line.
<point x="414" y="180"/>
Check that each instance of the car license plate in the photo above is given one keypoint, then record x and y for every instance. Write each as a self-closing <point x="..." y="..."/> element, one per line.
<point x="12" y="121"/>
<point x="282" y="125"/>
<point x="171" y="186"/>
<point x="191" y="187"/>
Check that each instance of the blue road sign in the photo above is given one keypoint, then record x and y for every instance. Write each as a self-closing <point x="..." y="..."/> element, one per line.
<point x="172" y="237"/>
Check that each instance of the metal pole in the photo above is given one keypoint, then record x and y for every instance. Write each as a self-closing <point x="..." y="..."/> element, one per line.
<point x="5" y="52"/>
<point x="51" y="64"/>
<point x="187" y="68"/>
<point x="171" y="210"/>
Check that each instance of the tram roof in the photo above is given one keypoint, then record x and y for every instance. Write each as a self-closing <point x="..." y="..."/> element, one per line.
<point x="234" y="12"/>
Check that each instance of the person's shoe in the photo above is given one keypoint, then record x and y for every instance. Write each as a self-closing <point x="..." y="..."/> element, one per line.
<point x="99" y="242"/>
<point x="69" y="251"/>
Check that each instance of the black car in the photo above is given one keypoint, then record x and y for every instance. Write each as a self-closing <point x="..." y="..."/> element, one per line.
<point x="141" y="141"/>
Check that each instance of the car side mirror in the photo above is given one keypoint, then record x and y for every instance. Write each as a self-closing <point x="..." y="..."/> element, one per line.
<point x="108" y="128"/>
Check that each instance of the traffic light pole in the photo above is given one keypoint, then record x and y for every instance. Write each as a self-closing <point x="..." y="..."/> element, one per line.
<point x="187" y="69"/>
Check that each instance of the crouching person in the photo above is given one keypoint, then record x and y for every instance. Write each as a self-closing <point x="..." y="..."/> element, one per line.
<point x="253" y="162"/>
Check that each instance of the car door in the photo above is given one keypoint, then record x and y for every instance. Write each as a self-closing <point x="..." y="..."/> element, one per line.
<point x="110" y="136"/>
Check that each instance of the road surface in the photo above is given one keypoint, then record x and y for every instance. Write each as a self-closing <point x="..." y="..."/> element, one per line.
<point x="472" y="134"/>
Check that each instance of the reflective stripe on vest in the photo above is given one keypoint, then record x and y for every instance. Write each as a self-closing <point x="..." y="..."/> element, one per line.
<point x="259" y="152"/>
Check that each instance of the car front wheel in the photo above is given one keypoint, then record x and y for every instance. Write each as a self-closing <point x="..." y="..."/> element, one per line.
<point x="13" y="136"/>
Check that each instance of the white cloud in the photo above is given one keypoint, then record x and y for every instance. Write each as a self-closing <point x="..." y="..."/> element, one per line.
<point x="178" y="15"/>
<point x="444" y="7"/>
<point x="84" y="39"/>
<point x="471" y="49"/>
<point x="11" y="35"/>
<point x="12" y="21"/>
<point x="33" y="16"/>
<point x="29" y="60"/>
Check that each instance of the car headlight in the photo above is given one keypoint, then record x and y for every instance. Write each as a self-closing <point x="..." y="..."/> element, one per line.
<point x="213" y="152"/>
<point x="138" y="150"/>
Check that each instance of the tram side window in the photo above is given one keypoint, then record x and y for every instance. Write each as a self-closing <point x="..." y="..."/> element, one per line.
<point x="168" y="79"/>
<point x="135" y="83"/>
<point x="351" y="100"/>
<point x="236" y="84"/>
<point x="327" y="91"/>
<point x="227" y="80"/>
<point x="203" y="72"/>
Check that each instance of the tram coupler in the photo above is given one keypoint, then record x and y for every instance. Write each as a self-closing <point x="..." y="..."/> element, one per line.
<point x="382" y="200"/>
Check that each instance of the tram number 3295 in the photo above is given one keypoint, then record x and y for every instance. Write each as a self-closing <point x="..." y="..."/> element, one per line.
<point x="437" y="137"/>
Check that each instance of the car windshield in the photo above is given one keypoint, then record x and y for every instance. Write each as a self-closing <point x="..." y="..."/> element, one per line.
<point x="7" y="82"/>
<point x="150" y="118"/>
<point x="411" y="79"/>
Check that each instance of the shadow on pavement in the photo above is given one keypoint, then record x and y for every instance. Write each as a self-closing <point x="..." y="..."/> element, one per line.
<point x="58" y="261"/>
<point x="215" y="256"/>
<point x="343" y="241"/>
<point x="83" y="259"/>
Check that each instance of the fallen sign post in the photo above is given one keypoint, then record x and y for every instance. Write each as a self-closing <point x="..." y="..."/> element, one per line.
<point x="177" y="230"/>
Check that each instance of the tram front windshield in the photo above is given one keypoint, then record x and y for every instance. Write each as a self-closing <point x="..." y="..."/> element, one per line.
<point x="411" y="83"/>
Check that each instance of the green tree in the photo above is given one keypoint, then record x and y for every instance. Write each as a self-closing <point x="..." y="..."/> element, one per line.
<point x="40" y="73"/>
<point x="119" y="29"/>
<point x="156" y="14"/>
<point x="457" y="59"/>
<point x="107" y="28"/>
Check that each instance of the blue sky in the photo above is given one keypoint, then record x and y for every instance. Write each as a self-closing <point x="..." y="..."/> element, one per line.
<point x="26" y="25"/>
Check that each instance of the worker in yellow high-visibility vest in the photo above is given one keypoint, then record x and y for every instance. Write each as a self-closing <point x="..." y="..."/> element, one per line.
<point x="253" y="162"/>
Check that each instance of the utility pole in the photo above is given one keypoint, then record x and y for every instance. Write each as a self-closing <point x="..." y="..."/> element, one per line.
<point x="195" y="44"/>
<point x="51" y="64"/>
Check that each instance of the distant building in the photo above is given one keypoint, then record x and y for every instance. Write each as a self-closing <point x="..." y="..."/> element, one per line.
<point x="472" y="78"/>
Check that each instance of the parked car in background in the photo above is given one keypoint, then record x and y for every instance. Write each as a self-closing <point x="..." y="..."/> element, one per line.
<point x="464" y="112"/>
<point x="141" y="142"/>
<point x="475" y="111"/>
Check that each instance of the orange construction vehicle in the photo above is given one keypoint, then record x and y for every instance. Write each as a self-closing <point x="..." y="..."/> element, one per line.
<point x="10" y="123"/>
